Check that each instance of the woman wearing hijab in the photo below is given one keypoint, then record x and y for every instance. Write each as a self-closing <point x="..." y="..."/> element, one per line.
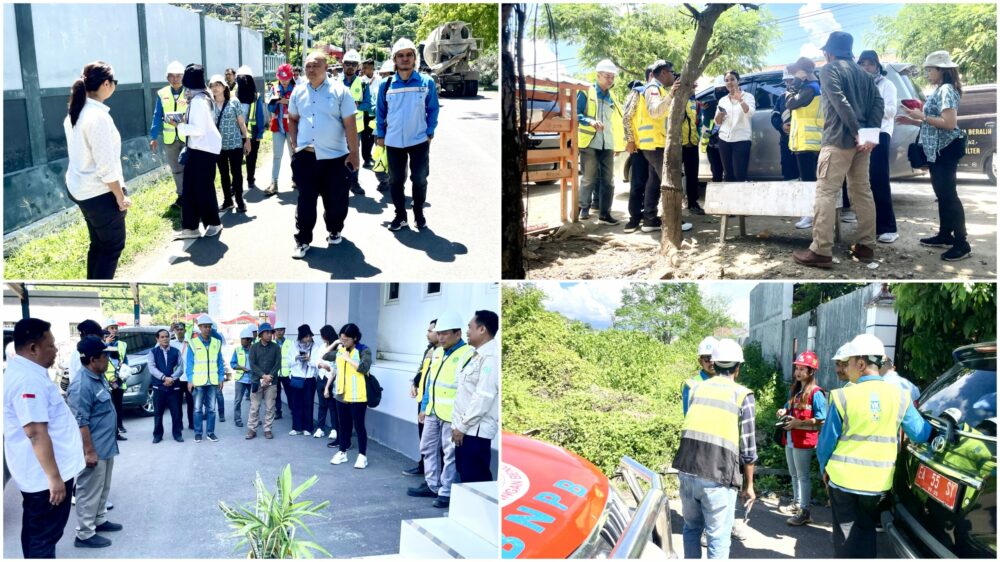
<point x="306" y="361"/>
<point x="254" y="116"/>
<point x="199" y="205"/>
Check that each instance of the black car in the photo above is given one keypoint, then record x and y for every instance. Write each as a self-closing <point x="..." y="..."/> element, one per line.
<point x="944" y="492"/>
<point x="977" y="116"/>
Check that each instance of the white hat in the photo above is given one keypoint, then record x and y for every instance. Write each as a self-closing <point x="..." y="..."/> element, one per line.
<point x="843" y="352"/>
<point x="244" y="71"/>
<point x="607" y="66"/>
<point x="247" y="332"/>
<point x="279" y="325"/>
<point x="175" y="67"/>
<point x="450" y="320"/>
<point x="217" y="78"/>
<point x="720" y="81"/>
<point x="866" y="345"/>
<point x="110" y="322"/>
<point x="727" y="353"/>
<point x="939" y="59"/>
<point x="205" y="319"/>
<point x="403" y="44"/>
<point x="707" y="345"/>
<point x="388" y="66"/>
<point x="352" y="56"/>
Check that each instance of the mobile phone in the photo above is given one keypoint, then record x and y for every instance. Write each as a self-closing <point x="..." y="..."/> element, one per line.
<point x="722" y="109"/>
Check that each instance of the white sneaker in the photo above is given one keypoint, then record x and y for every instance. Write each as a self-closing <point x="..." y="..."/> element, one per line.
<point x="293" y="432"/>
<point x="339" y="458"/>
<point x="318" y="434"/>
<point x="300" y="251"/>
<point x="213" y="230"/>
<point x="888" y="237"/>
<point x="334" y="238"/>
<point x="362" y="461"/>
<point x="804" y="222"/>
<point x="333" y="434"/>
<point x="686" y="226"/>
<point x="848" y="216"/>
<point x="187" y="234"/>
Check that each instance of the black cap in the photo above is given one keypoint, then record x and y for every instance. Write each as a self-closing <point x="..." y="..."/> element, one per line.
<point x="305" y="330"/>
<point x="91" y="346"/>
<point x="89" y="328"/>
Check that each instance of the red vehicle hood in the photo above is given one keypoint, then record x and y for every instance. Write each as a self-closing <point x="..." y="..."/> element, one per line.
<point x="551" y="498"/>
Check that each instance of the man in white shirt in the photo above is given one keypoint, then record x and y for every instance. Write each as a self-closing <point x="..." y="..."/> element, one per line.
<point x="475" y="418"/>
<point x="42" y="443"/>
<point x="180" y="344"/>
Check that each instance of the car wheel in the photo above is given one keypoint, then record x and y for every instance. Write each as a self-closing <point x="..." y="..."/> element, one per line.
<point x="147" y="406"/>
<point x="991" y="167"/>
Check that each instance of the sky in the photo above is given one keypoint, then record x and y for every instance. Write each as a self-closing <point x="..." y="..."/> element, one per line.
<point x="804" y="28"/>
<point x="594" y="302"/>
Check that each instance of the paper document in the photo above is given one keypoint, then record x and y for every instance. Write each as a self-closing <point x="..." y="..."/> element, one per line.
<point x="868" y="135"/>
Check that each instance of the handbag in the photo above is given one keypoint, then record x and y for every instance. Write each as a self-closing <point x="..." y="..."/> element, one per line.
<point x="915" y="154"/>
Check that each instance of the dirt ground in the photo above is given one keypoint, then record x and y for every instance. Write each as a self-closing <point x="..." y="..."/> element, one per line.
<point x="589" y="250"/>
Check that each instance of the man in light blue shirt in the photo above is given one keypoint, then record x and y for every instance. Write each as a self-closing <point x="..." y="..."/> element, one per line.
<point x="405" y="119"/>
<point x="321" y="124"/>
<point x="890" y="375"/>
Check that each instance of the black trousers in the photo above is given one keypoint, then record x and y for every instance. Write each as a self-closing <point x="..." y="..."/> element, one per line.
<point x="167" y="399"/>
<point x="714" y="162"/>
<point x="117" y="400"/>
<point x="944" y="178"/>
<point x="351" y="417"/>
<point x="420" y="424"/>
<point x="283" y="382"/>
<point x="637" y="184"/>
<point x="232" y="160"/>
<point x="252" y="160"/>
<point x="651" y="200"/>
<point x="326" y="410"/>
<point x="187" y="398"/>
<point x="302" y="409"/>
<point x="42" y="523"/>
<point x="878" y="175"/>
<point x="106" y="226"/>
<point x="368" y="138"/>
<point x="326" y="179"/>
<point x="807" y="164"/>
<point x="199" y="204"/>
<point x="689" y="158"/>
<point x="854" y="519"/>
<point x="472" y="459"/>
<point x="735" y="159"/>
<point x="789" y="163"/>
<point x="418" y="158"/>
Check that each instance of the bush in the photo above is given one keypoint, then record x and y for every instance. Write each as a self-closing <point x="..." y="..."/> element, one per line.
<point x="489" y="68"/>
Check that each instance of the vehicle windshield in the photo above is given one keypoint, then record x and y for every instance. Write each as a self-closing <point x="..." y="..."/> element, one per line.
<point x="971" y="387"/>
<point x="138" y="342"/>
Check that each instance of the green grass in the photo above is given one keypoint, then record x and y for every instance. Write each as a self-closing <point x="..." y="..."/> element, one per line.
<point x="62" y="254"/>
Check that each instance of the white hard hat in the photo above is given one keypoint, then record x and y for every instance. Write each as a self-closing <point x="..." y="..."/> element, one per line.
<point x="217" y="78"/>
<point x="244" y="71"/>
<point x="450" y="320"/>
<point x="607" y="66"/>
<point x="402" y="44"/>
<point x="707" y="345"/>
<point x="247" y="332"/>
<point x="279" y="325"/>
<point x="867" y="345"/>
<point x="720" y="82"/>
<point x="843" y="352"/>
<point x="205" y="319"/>
<point x="175" y="67"/>
<point x="388" y="66"/>
<point x="110" y="322"/>
<point x="352" y="56"/>
<point x="727" y="352"/>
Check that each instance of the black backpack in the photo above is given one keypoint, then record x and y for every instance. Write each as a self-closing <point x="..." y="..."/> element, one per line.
<point x="374" y="391"/>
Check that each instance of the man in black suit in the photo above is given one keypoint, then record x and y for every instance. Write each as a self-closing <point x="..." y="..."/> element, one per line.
<point x="165" y="368"/>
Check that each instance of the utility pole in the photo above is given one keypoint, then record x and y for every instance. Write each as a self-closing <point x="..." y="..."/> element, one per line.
<point x="288" y="46"/>
<point x="305" y="30"/>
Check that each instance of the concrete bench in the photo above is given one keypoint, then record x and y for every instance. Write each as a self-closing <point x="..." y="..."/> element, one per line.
<point x="762" y="199"/>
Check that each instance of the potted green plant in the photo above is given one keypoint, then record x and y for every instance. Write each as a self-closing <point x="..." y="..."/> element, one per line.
<point x="270" y="526"/>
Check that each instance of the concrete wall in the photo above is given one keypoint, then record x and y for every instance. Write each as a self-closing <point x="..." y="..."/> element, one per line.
<point x="172" y="33"/>
<point x="770" y="306"/>
<point x="11" y="53"/>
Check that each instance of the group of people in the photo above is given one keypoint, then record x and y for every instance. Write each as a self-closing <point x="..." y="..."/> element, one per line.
<point x="201" y="125"/>
<point x="718" y="448"/>
<point x="820" y="135"/>
<point x="59" y="448"/>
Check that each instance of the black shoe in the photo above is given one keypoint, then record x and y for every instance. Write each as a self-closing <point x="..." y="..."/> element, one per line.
<point x="226" y="206"/>
<point x="239" y="423"/>
<point x="419" y="221"/>
<point x="96" y="541"/>
<point x="608" y="219"/>
<point x="222" y="419"/>
<point x="696" y="209"/>
<point x="157" y="440"/>
<point x="332" y="445"/>
<point x="938" y="241"/>
<point x="212" y="437"/>
<point x="383" y="187"/>
<point x="120" y="437"/>
<point x="442" y="502"/>
<point x="357" y="189"/>
<point x="122" y="429"/>
<point x="632" y="225"/>
<point x="277" y="416"/>
<point x="959" y="251"/>
<point x="177" y="203"/>
<point x="652" y="225"/>
<point x="197" y="438"/>
<point x="179" y="439"/>
<point x="415" y="471"/>
<point x="109" y="527"/>
<point x="190" y="426"/>
<point x="421" y="491"/>
<point x="397" y="223"/>
<point x="368" y="165"/>
<point x="241" y="210"/>
<point x="251" y="185"/>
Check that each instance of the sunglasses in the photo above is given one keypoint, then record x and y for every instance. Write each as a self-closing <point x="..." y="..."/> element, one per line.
<point x="113" y="81"/>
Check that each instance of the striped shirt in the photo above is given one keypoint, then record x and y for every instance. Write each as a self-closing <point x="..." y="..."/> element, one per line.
<point x="748" y="431"/>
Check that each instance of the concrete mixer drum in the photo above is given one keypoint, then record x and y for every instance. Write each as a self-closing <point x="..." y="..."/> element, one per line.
<point x="447" y="51"/>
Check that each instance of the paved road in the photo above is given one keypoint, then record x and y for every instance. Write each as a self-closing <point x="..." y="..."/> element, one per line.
<point x="461" y="243"/>
<point x="166" y="495"/>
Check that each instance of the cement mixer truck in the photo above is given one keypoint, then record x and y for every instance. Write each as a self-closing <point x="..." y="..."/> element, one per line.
<point x="447" y="52"/>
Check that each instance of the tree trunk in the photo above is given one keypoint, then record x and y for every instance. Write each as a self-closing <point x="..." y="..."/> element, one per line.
<point x="671" y="190"/>
<point x="512" y="148"/>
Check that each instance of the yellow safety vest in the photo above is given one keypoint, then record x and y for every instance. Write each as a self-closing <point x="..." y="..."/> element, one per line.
<point x="358" y="93"/>
<point x="172" y="105"/>
<point x="652" y="132"/>
<point x="109" y="373"/>
<point x="586" y="133"/>
<point x="444" y="385"/>
<point x="710" y="436"/>
<point x="806" y="132"/>
<point x="241" y="360"/>
<point x="287" y="347"/>
<point x="350" y="383"/>
<point x="424" y="367"/>
<point x="865" y="455"/>
<point x="689" y="129"/>
<point x="206" y="362"/>
<point x="252" y="119"/>
<point x="706" y="135"/>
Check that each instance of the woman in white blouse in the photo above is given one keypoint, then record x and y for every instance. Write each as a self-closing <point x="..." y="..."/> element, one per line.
<point x="734" y="116"/>
<point x="94" y="175"/>
<point x="199" y="204"/>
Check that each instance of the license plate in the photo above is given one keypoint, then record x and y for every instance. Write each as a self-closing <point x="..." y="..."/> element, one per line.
<point x="938" y="487"/>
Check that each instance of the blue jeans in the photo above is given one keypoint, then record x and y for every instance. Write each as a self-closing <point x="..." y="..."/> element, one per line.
<point x="598" y="178"/>
<point x="278" y="142"/>
<point x="798" y="468"/>
<point x="242" y="393"/>
<point x="204" y="407"/>
<point x="706" y="506"/>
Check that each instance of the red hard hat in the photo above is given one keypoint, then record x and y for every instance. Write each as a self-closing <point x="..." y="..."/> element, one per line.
<point x="807" y="359"/>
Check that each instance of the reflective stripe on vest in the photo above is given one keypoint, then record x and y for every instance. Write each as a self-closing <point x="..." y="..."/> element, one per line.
<point x="652" y="132"/>
<point x="252" y="119"/>
<point x="444" y="385"/>
<point x="865" y="455"/>
<point x="358" y="93"/>
<point x="109" y="373"/>
<point x="171" y="105"/>
<point x="806" y="132"/>
<point x="206" y="362"/>
<point x="424" y="367"/>
<point x="351" y="383"/>
<point x="586" y="133"/>
<point x="710" y="436"/>
<point x="287" y="346"/>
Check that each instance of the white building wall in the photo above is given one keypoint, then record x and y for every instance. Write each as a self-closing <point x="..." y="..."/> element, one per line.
<point x="64" y="314"/>
<point x="11" y="51"/>
<point x="301" y="303"/>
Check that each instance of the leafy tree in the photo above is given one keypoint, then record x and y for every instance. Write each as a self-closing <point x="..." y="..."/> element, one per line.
<point x="482" y="18"/>
<point x="807" y="296"/>
<point x="670" y="311"/>
<point x="967" y="31"/>
<point x="264" y="296"/>
<point x="935" y="318"/>
<point x="164" y="304"/>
